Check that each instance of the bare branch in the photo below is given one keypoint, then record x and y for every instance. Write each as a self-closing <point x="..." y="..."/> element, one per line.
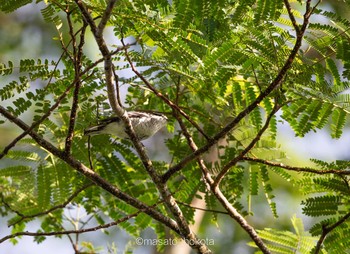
<point x="106" y="15"/>
<point x="203" y="209"/>
<point x="291" y="16"/>
<point x="98" y="34"/>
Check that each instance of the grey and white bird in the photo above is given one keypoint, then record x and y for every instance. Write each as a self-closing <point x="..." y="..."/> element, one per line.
<point x="145" y="125"/>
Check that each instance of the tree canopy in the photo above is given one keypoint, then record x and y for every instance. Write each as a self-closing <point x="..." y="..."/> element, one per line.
<point x="225" y="73"/>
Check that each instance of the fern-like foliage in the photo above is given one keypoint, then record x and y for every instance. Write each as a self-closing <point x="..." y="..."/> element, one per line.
<point x="12" y="5"/>
<point x="213" y="60"/>
<point x="287" y="242"/>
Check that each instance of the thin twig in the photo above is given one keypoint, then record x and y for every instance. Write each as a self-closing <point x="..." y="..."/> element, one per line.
<point x="67" y="232"/>
<point x="297" y="169"/>
<point x="327" y="229"/>
<point x="291" y="16"/>
<point x="203" y="209"/>
<point x="78" y="54"/>
<point x="63" y="205"/>
<point x="246" y="150"/>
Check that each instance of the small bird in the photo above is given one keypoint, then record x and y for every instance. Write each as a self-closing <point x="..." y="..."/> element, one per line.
<point x="145" y="125"/>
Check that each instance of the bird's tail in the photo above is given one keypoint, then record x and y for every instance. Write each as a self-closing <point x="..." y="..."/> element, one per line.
<point x="94" y="130"/>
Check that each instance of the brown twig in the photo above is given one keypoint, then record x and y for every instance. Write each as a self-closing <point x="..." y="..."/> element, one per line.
<point x="246" y="150"/>
<point x="97" y="31"/>
<point x="327" y="229"/>
<point x="63" y="205"/>
<point x="67" y="232"/>
<point x="297" y="169"/>
<point x="203" y="209"/>
<point x="78" y="54"/>
<point x="291" y="16"/>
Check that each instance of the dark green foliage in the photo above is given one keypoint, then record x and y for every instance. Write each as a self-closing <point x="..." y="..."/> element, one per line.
<point x="12" y="5"/>
<point x="212" y="59"/>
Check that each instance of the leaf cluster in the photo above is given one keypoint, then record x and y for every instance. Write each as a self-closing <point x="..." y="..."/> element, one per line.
<point x="211" y="60"/>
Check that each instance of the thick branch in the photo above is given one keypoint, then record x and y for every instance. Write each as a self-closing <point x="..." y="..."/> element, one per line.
<point x="98" y="34"/>
<point x="106" y="15"/>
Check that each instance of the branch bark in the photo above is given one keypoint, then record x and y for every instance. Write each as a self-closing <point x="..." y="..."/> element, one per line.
<point x="219" y="195"/>
<point x="90" y="174"/>
<point x="161" y="186"/>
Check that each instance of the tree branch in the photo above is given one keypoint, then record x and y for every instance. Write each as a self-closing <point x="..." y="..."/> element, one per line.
<point x="297" y="169"/>
<point x="105" y="17"/>
<point x="246" y="150"/>
<point x="78" y="53"/>
<point x="203" y="209"/>
<point x="273" y="85"/>
<point x="63" y="205"/>
<point x="90" y="174"/>
<point x="220" y="196"/>
<point x="291" y="16"/>
<point x="98" y="34"/>
<point x="67" y="232"/>
<point x="327" y="229"/>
